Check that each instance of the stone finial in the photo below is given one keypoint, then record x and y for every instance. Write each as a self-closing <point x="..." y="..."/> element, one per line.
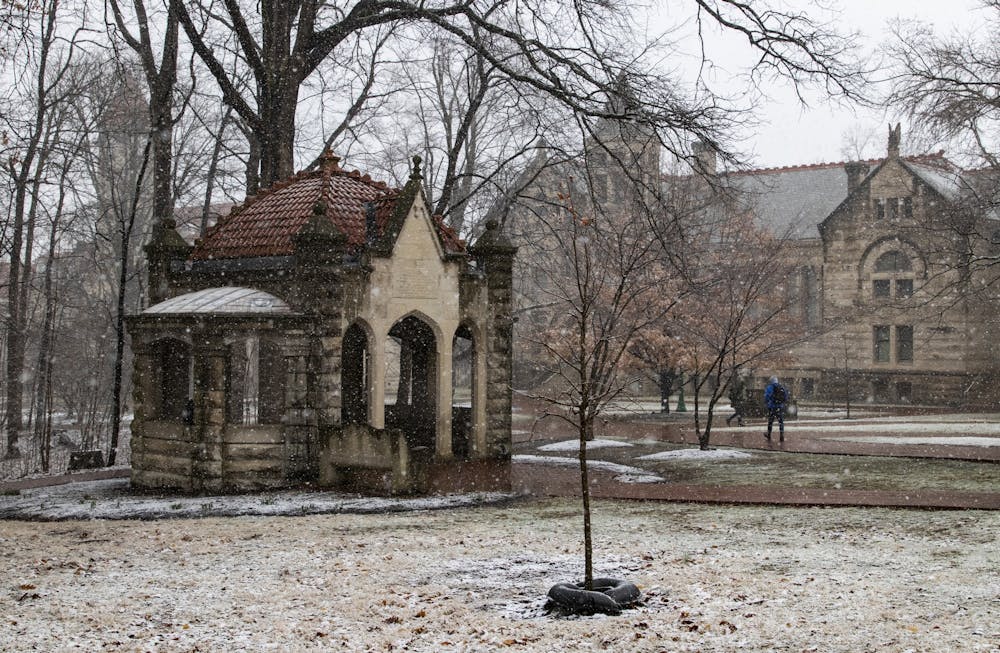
<point x="895" y="136"/>
<point x="415" y="172"/>
<point x="330" y="161"/>
<point x="493" y="242"/>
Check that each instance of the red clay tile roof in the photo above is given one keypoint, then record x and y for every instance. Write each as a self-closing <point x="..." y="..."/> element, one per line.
<point x="266" y="224"/>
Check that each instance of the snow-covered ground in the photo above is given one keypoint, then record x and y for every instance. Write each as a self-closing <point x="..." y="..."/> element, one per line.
<point x="112" y="499"/>
<point x="716" y="578"/>
<point x="698" y="454"/>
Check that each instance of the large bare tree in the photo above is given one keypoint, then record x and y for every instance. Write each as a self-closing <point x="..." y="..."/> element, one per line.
<point x="573" y="51"/>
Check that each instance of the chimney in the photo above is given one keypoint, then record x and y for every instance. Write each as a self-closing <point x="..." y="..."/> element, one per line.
<point x="895" y="135"/>
<point x="705" y="161"/>
<point x="856" y="172"/>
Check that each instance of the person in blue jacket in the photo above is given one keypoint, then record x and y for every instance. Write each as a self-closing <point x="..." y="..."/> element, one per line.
<point x="776" y="399"/>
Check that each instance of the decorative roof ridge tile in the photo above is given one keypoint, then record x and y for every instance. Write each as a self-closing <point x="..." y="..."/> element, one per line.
<point x="926" y="158"/>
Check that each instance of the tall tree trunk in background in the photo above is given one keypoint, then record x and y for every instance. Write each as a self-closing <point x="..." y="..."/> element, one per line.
<point x="15" y="317"/>
<point x="161" y="80"/>
<point x="43" y="389"/>
<point x="665" y="380"/>
<point x="126" y="238"/>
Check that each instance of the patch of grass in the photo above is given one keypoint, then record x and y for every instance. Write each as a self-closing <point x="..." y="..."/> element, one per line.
<point x="804" y="470"/>
<point x="10" y="493"/>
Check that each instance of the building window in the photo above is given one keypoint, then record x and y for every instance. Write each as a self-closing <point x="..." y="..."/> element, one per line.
<point x="893" y="272"/>
<point x="808" y="388"/>
<point x="880" y="336"/>
<point x="894" y="261"/>
<point x="904" y="344"/>
<point x="893" y="207"/>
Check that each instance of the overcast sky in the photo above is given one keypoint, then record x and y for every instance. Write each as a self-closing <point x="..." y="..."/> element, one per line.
<point x="790" y="134"/>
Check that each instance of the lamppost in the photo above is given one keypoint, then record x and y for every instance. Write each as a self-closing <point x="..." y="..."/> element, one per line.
<point x="681" y="408"/>
<point x="847" y="380"/>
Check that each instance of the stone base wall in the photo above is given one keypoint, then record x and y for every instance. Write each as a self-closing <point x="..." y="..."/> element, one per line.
<point x="162" y="456"/>
<point x="358" y="458"/>
<point x="172" y="456"/>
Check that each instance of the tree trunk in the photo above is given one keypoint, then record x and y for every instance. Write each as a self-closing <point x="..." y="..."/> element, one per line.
<point x="43" y="389"/>
<point x="588" y="548"/>
<point x="277" y="153"/>
<point x="665" y="380"/>
<point x="126" y="237"/>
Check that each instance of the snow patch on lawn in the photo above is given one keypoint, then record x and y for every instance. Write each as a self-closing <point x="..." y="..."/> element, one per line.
<point x="623" y="473"/>
<point x="113" y="499"/>
<point x="941" y="440"/>
<point x="698" y="454"/>
<point x="574" y="445"/>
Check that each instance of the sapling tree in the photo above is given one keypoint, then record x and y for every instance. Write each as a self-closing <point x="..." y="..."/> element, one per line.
<point x="601" y="277"/>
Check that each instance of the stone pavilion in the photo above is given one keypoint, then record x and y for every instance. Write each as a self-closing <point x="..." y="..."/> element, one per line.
<point x="329" y="331"/>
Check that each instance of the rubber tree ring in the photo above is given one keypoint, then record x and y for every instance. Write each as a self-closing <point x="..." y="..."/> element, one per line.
<point x="609" y="596"/>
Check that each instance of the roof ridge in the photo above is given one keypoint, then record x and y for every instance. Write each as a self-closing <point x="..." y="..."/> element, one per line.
<point x="913" y="158"/>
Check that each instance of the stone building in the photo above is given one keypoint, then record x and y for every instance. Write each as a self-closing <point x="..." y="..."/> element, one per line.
<point x="881" y="281"/>
<point x="309" y="338"/>
<point x="890" y="306"/>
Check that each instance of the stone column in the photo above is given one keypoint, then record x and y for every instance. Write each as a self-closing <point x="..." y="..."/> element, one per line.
<point x="376" y="381"/>
<point x="442" y="447"/>
<point x="495" y="256"/>
<point x="165" y="247"/>
<point x="143" y="397"/>
<point x="477" y="439"/>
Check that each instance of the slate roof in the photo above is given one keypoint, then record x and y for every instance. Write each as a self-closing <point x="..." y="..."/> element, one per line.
<point x="266" y="224"/>
<point x="794" y="200"/>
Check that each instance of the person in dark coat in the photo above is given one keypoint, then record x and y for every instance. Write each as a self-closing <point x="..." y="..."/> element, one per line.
<point x="737" y="398"/>
<point x="776" y="400"/>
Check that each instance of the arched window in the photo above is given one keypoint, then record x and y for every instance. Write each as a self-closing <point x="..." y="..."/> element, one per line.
<point x="354" y="376"/>
<point x="892" y="276"/>
<point x="463" y="366"/>
<point x="411" y="393"/>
